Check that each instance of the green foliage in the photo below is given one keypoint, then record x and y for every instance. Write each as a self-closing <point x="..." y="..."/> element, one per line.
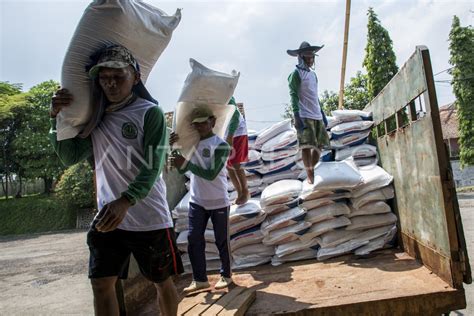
<point x="462" y="47"/>
<point x="34" y="152"/>
<point x="380" y="60"/>
<point x="7" y="88"/>
<point x="329" y="101"/>
<point x="356" y="95"/>
<point x="76" y="185"/>
<point x="34" y="214"/>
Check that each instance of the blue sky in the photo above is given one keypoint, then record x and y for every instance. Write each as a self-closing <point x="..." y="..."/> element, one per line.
<point x="249" y="36"/>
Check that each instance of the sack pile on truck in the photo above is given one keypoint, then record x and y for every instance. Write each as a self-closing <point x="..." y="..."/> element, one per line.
<point x="142" y="28"/>
<point x="349" y="131"/>
<point x="212" y="253"/>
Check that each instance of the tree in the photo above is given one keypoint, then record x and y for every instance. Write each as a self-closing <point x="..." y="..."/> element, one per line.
<point x="76" y="187"/>
<point x="380" y="60"/>
<point x="462" y="47"/>
<point x="356" y="95"/>
<point x="329" y="101"/>
<point x="35" y="155"/>
<point x="12" y="105"/>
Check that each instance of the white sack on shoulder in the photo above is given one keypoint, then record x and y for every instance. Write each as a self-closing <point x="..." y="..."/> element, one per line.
<point x="203" y="87"/>
<point x="142" y="28"/>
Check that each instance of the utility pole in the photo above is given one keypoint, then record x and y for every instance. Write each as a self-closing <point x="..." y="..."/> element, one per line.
<point x="344" y="54"/>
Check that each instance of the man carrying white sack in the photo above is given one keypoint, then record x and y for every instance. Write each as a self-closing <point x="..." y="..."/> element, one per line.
<point x="128" y="142"/>
<point x="310" y="120"/>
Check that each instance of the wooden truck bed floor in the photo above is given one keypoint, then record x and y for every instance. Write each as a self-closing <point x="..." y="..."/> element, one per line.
<point x="390" y="282"/>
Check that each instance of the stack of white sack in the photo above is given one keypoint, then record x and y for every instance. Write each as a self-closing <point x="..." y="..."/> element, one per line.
<point x="212" y="254"/>
<point x="274" y="154"/>
<point x="180" y="215"/>
<point x="349" y="131"/>
<point x="326" y="208"/>
<point x="373" y="225"/>
<point x="245" y="235"/>
<point x="255" y="186"/>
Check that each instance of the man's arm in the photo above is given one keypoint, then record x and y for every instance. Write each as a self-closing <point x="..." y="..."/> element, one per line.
<point x="220" y="157"/>
<point x="70" y="151"/>
<point x="155" y="146"/>
<point x="294" y="83"/>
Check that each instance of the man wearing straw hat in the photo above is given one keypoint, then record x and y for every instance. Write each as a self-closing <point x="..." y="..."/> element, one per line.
<point x="308" y="116"/>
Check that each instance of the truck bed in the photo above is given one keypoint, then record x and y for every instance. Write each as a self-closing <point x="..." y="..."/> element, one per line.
<point x="389" y="282"/>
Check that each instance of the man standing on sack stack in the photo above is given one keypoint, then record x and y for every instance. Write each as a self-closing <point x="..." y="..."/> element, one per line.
<point x="310" y="120"/>
<point x="127" y="140"/>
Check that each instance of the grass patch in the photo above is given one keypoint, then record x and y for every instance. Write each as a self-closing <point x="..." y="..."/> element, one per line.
<point x="34" y="214"/>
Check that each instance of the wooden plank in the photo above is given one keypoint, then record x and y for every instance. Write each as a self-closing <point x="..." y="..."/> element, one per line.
<point x="240" y="304"/>
<point x="189" y="302"/>
<point x="208" y="301"/>
<point x="223" y="301"/>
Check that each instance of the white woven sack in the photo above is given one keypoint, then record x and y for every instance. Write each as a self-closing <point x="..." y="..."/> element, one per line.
<point x="285" y="234"/>
<point x="372" y="208"/>
<point x="248" y="210"/>
<point x="336" y="175"/>
<point x="271" y="131"/>
<point x="371" y="221"/>
<point x="377" y="243"/>
<point x="291" y="174"/>
<point x="322" y="227"/>
<point x="373" y="177"/>
<point x="280" y="192"/>
<point x="142" y="28"/>
<point x="276" y="166"/>
<point x="327" y="212"/>
<point x="294" y="246"/>
<point x="349" y="140"/>
<point x="360" y="151"/>
<point x="277" y="208"/>
<point x="299" y="255"/>
<point x="332" y="121"/>
<point x="254" y="249"/>
<point x="280" y="141"/>
<point x="250" y="236"/>
<point x="382" y="194"/>
<point x="203" y="87"/>
<point x="341" y="249"/>
<point x="309" y="193"/>
<point x="246" y="223"/>
<point x="280" y="154"/>
<point x="373" y="233"/>
<point x="182" y="209"/>
<point x="283" y="219"/>
<point x="254" y="159"/>
<point x="351" y="115"/>
<point x="241" y="262"/>
<point x="350" y="127"/>
<point x="366" y="162"/>
<point x="254" y="180"/>
<point x="336" y="237"/>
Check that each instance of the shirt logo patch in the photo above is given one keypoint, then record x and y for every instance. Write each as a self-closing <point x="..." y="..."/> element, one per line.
<point x="129" y="130"/>
<point x="206" y="153"/>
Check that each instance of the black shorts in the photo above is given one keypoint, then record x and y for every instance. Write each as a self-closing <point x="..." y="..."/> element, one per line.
<point x="155" y="252"/>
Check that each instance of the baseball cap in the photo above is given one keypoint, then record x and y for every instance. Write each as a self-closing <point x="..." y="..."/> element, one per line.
<point x="201" y="114"/>
<point x="114" y="57"/>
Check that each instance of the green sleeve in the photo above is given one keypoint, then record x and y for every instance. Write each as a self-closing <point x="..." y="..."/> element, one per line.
<point x="155" y="140"/>
<point x="220" y="157"/>
<point x="234" y="122"/>
<point x="70" y="151"/>
<point x="294" y="83"/>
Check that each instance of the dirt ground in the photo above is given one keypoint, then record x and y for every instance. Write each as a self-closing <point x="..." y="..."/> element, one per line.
<point x="47" y="274"/>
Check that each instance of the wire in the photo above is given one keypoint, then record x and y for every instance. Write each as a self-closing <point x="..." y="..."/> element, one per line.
<point x="460" y="79"/>
<point x="443" y="71"/>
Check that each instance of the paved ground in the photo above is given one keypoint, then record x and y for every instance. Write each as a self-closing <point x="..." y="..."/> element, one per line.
<point x="47" y="274"/>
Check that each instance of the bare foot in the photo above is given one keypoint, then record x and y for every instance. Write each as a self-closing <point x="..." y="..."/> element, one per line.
<point x="310" y="178"/>
<point x="243" y="198"/>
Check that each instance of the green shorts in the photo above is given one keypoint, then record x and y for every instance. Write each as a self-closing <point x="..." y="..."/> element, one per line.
<point x="313" y="135"/>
